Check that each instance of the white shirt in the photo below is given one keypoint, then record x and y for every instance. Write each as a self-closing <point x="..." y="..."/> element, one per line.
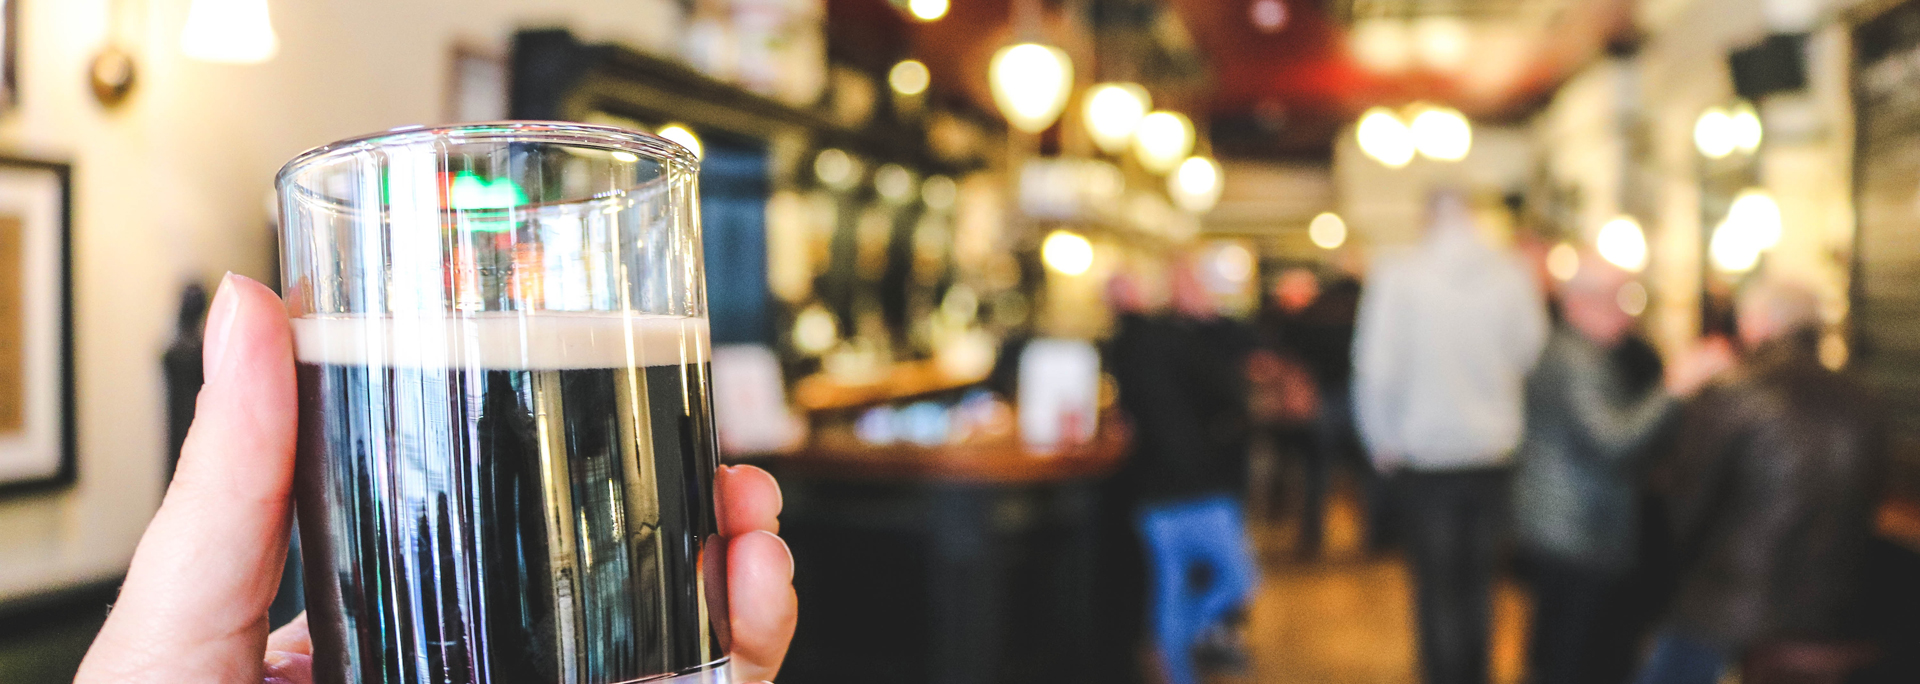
<point x="1446" y="334"/>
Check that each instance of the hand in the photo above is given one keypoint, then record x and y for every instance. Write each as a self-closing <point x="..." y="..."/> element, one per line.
<point x="1692" y="370"/>
<point x="194" y="606"/>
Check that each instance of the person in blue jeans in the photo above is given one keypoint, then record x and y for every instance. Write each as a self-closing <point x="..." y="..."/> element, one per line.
<point x="1181" y="383"/>
<point x="1201" y="571"/>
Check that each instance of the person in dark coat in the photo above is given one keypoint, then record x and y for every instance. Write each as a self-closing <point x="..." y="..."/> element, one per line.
<point x="1182" y="469"/>
<point x="1590" y="426"/>
<point x="1771" y="496"/>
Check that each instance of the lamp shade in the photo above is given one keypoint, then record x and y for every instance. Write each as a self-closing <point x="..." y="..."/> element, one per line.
<point x="1163" y="140"/>
<point x="1113" y="111"/>
<point x="229" y="31"/>
<point x="1195" y="185"/>
<point x="1030" y="84"/>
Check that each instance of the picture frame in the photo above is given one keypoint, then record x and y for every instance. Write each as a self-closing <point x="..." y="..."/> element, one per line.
<point x="9" y="55"/>
<point x="37" y="417"/>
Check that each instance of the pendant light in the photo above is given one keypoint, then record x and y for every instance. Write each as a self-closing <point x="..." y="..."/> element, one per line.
<point x="1030" y="84"/>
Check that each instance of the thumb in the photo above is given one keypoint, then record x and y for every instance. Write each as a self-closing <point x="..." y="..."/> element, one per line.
<point x="194" y="604"/>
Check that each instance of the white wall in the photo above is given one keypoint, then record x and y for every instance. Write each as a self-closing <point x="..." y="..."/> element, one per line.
<point x="171" y="187"/>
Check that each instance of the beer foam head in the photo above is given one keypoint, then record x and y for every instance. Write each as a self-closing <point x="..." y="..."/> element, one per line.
<point x="503" y="340"/>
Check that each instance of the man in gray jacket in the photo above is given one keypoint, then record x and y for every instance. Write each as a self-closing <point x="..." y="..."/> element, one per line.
<point x="1446" y="334"/>
<point x="1577" y="485"/>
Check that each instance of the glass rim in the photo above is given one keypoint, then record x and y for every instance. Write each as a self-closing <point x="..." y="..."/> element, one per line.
<point x="565" y="133"/>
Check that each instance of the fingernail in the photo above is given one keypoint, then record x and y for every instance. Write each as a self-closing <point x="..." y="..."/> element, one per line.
<point x="226" y="306"/>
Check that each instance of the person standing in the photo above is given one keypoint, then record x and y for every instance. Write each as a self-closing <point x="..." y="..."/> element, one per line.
<point x="1199" y="562"/>
<point x="1771" y="496"/>
<point x="1590" y="426"/>
<point x="1446" y="335"/>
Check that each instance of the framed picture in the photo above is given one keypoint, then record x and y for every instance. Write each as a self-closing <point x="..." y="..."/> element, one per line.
<point x="36" y="325"/>
<point x="9" y="54"/>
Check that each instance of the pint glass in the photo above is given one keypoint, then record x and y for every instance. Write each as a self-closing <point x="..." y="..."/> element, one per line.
<point x="506" y="453"/>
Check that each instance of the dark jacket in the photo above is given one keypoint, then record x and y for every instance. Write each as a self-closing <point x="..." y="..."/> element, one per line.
<point x="1772" y="498"/>
<point x="1589" y="429"/>
<point x="1170" y="391"/>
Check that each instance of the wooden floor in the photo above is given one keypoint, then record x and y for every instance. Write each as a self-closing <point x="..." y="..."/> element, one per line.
<point x="1347" y="618"/>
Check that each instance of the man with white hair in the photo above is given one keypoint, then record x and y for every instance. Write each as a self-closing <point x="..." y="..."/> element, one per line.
<point x="1446" y="334"/>
<point x="1771" y="494"/>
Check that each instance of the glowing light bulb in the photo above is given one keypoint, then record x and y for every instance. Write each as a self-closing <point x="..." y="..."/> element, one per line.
<point x="836" y="169"/>
<point x="1327" y="231"/>
<point x="1733" y="249"/>
<point x="1385" y="138"/>
<point x="1195" y="185"/>
<point x="1163" y="140"/>
<point x="1113" y="111"/>
<point x="1622" y="243"/>
<point x="928" y="10"/>
<point x="1563" y="262"/>
<point x="1067" y="252"/>
<point x="229" y="31"/>
<point x="909" y="77"/>
<point x="1233" y="263"/>
<point x="1713" y="133"/>
<point x="1756" y="213"/>
<point x="1745" y="129"/>
<point x="1381" y="45"/>
<point x="1268" y="15"/>
<point x="1030" y="84"/>
<point x="1442" y="133"/>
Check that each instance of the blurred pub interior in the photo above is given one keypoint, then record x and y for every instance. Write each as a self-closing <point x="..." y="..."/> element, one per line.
<point x="914" y="214"/>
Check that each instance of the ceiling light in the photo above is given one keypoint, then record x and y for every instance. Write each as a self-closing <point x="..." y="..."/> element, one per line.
<point x="1623" y="244"/>
<point x="1112" y="112"/>
<point x="1756" y="213"/>
<point x="1067" y="253"/>
<point x="1442" y="42"/>
<point x="1733" y="249"/>
<point x="1030" y="84"/>
<point x="894" y="183"/>
<point x="1327" y="231"/>
<point x="1442" y="133"/>
<point x="835" y="169"/>
<point x="1163" y="140"/>
<point x="1744" y="126"/>
<point x="927" y="10"/>
<point x="1268" y="15"/>
<point x="1381" y="45"/>
<point x="1714" y="134"/>
<point x="1382" y="136"/>
<point x="1195" y="186"/>
<point x="686" y="138"/>
<point x="1233" y="263"/>
<point x="909" y="77"/>
<point x="1563" y="262"/>
<point x="229" y="31"/>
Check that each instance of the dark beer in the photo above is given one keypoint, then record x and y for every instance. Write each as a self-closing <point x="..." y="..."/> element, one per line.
<point x="509" y="499"/>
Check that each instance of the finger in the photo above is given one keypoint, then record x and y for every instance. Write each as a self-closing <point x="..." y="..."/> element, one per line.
<point x="760" y="589"/>
<point x="288" y="668"/>
<point x="194" y="604"/>
<point x="748" y="500"/>
<point x="292" y="637"/>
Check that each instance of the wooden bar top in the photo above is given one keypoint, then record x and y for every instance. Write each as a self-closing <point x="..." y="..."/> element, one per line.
<point x="836" y="453"/>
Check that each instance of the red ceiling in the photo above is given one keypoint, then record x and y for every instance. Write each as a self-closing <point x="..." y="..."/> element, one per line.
<point x="1300" y="80"/>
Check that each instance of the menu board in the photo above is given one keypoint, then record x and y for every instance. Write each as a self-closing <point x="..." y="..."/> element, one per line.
<point x="1886" y="282"/>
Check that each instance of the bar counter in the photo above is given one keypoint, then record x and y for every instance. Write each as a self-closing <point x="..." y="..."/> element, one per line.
<point x="952" y="564"/>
